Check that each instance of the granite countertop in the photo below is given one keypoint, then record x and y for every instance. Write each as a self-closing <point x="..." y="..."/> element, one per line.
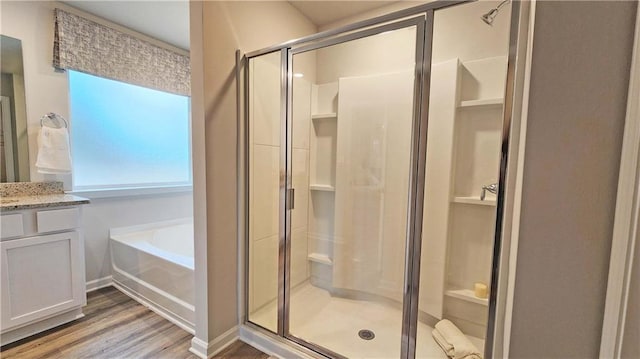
<point x="28" y="195"/>
<point x="40" y="201"/>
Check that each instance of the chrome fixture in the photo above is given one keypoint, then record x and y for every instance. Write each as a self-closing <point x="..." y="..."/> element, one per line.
<point x="53" y="120"/>
<point x="366" y="334"/>
<point x="493" y="188"/>
<point x="488" y="17"/>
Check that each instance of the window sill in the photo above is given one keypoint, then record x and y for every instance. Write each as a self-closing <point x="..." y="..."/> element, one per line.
<point x="130" y="192"/>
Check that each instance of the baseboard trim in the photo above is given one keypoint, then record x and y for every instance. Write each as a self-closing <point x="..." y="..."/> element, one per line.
<point x="99" y="283"/>
<point x="207" y="350"/>
<point x="166" y="314"/>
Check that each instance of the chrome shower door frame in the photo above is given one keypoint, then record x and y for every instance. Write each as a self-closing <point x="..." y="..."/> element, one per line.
<point x="422" y="17"/>
<point x="415" y="195"/>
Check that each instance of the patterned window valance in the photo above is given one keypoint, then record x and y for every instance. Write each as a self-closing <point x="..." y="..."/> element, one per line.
<point x="83" y="45"/>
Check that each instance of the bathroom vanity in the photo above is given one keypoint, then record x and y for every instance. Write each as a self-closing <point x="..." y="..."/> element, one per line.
<point x="42" y="258"/>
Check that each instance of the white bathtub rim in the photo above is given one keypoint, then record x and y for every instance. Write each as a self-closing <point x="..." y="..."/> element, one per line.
<point x="134" y="237"/>
<point x="118" y="231"/>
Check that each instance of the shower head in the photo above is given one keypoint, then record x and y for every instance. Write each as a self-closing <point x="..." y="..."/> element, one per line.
<point x="488" y="17"/>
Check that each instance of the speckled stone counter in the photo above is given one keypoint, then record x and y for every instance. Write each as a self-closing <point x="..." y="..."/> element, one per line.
<point x="28" y="195"/>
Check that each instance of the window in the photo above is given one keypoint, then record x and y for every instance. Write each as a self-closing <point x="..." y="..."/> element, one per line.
<point x="127" y="136"/>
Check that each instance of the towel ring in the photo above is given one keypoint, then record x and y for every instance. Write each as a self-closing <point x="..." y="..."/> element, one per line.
<point x="57" y="120"/>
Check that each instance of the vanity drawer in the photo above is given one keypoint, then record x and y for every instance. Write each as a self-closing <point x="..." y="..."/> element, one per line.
<point x="58" y="219"/>
<point x="11" y="225"/>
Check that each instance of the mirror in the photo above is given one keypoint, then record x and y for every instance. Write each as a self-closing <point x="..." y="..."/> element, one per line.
<point x="14" y="144"/>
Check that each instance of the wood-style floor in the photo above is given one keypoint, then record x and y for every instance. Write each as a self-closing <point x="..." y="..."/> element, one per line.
<point x="115" y="326"/>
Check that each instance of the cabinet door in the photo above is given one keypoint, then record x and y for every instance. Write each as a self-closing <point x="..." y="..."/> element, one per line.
<point x="41" y="276"/>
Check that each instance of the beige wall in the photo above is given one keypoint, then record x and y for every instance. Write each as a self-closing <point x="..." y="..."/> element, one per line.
<point x="579" y="79"/>
<point x="227" y="26"/>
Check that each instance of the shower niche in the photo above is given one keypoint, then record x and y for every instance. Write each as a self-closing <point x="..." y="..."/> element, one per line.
<point x="322" y="181"/>
<point x="463" y="153"/>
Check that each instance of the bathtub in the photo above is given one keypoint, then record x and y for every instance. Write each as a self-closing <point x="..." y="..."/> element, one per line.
<point x="153" y="264"/>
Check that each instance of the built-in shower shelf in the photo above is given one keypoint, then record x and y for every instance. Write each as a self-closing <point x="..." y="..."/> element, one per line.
<point x="322" y="187"/>
<point x="466" y="295"/>
<point x="325" y="116"/>
<point x="320" y="258"/>
<point x="483" y="102"/>
<point x="491" y="201"/>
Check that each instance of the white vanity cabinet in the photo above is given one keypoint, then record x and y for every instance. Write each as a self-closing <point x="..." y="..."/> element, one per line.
<point x="42" y="270"/>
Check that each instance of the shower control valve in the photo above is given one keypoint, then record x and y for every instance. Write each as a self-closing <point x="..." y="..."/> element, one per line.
<point x="493" y="188"/>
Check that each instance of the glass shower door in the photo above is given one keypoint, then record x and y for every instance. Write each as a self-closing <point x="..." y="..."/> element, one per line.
<point x="374" y="155"/>
<point x="264" y="188"/>
<point x="351" y="124"/>
<point x="463" y="156"/>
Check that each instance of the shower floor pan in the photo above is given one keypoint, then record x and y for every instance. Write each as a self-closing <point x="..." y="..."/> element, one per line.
<point x="335" y="322"/>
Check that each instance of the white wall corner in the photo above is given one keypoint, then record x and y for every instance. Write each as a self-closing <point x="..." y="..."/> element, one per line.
<point x="99" y="283"/>
<point x="502" y="341"/>
<point x="204" y="350"/>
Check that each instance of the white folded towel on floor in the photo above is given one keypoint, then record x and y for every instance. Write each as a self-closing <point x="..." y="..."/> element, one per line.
<point x="54" y="155"/>
<point x="443" y="343"/>
<point x="453" y="342"/>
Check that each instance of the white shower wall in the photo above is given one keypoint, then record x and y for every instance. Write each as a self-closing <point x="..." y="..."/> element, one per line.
<point x="300" y="177"/>
<point x="264" y="165"/>
<point x="389" y="52"/>
<point x="372" y="182"/>
<point x="264" y="181"/>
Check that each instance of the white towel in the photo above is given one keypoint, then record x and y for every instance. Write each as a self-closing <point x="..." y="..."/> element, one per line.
<point x="54" y="155"/>
<point x="454" y="343"/>
<point x="443" y="343"/>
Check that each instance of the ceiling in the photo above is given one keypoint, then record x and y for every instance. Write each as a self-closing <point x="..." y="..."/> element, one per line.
<point x="168" y="21"/>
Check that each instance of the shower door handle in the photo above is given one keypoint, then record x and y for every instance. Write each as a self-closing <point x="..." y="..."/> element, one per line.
<point x="291" y="198"/>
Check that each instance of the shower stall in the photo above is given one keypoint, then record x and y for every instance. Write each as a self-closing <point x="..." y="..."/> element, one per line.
<point x="374" y="163"/>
